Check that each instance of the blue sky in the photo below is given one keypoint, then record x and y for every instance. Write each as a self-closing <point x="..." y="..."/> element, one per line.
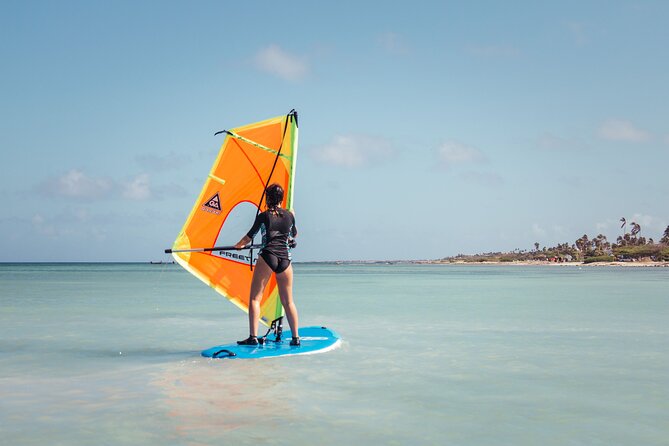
<point x="427" y="129"/>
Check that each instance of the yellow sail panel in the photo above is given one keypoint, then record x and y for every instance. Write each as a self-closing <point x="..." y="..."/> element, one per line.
<point x="251" y="157"/>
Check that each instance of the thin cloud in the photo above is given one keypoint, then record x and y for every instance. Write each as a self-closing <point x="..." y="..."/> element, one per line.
<point x="278" y="62"/>
<point x="559" y="231"/>
<point x="621" y="130"/>
<point x="393" y="43"/>
<point x="41" y="226"/>
<point x="578" y="32"/>
<point x="172" y="190"/>
<point x="354" y="151"/>
<point x="70" y="223"/>
<point x="651" y="226"/>
<point x="453" y="153"/>
<point x="137" y="189"/>
<point x="548" y="141"/>
<point x="538" y="231"/>
<point x="645" y="220"/>
<point x="76" y="184"/>
<point x="489" y="179"/>
<point x="604" y="226"/>
<point x="162" y="163"/>
<point x="493" y="51"/>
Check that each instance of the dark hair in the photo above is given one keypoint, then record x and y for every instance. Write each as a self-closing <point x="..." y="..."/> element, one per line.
<point x="273" y="197"/>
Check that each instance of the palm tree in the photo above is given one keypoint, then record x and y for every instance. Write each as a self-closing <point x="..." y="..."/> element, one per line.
<point x="601" y="244"/>
<point x="636" y="227"/>
<point x="665" y="237"/>
<point x="583" y="244"/>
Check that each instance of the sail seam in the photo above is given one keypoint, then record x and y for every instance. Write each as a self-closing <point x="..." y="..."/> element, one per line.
<point x="251" y="163"/>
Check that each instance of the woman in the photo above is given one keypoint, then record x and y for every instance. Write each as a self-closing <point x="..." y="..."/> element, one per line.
<point x="278" y="230"/>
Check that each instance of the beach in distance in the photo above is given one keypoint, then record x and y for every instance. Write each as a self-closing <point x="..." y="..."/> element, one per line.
<point x="548" y="263"/>
<point x="431" y="354"/>
<point x="635" y="264"/>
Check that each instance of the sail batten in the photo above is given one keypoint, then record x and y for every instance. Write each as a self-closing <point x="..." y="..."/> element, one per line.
<point x="215" y="178"/>
<point x="250" y="157"/>
<point x="260" y="146"/>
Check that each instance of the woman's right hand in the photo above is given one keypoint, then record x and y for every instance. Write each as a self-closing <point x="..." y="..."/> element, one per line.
<point x="243" y="242"/>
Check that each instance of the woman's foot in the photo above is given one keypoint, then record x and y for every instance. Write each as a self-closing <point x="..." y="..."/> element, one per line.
<point x="295" y="341"/>
<point x="251" y="340"/>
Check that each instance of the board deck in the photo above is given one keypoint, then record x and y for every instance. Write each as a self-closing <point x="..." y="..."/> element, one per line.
<point x="313" y="340"/>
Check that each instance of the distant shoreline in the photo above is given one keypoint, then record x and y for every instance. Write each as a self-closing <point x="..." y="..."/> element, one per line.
<point x="546" y="263"/>
<point x="641" y="264"/>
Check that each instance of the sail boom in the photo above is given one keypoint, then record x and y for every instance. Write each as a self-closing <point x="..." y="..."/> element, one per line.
<point x="215" y="248"/>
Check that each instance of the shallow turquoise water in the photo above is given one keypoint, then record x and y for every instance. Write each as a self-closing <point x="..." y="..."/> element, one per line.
<point x="432" y="354"/>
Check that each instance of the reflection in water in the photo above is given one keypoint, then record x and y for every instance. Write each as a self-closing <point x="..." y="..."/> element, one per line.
<point x="211" y="397"/>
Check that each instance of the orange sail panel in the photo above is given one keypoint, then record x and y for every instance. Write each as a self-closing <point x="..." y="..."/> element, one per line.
<point x="241" y="172"/>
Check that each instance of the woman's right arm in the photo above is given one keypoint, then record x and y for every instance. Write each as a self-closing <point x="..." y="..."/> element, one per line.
<point x="243" y="242"/>
<point x="248" y="238"/>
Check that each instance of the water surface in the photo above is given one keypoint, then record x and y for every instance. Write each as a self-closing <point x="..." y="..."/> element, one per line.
<point x="432" y="354"/>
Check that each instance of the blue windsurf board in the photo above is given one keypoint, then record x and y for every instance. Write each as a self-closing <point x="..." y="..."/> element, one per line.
<point x="312" y="340"/>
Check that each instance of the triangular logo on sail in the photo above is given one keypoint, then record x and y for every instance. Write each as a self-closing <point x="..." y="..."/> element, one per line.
<point x="212" y="205"/>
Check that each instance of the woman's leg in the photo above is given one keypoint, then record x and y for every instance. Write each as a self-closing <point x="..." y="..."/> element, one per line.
<point x="261" y="275"/>
<point x="284" y="281"/>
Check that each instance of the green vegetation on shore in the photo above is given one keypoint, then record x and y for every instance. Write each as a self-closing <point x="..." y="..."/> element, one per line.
<point x="627" y="247"/>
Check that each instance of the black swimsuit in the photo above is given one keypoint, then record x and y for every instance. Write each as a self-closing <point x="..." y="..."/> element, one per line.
<point x="276" y="264"/>
<point x="276" y="230"/>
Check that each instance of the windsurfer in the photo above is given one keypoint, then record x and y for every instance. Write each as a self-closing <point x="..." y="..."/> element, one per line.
<point x="278" y="231"/>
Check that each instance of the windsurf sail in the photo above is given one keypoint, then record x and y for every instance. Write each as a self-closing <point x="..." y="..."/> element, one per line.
<point x="251" y="157"/>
